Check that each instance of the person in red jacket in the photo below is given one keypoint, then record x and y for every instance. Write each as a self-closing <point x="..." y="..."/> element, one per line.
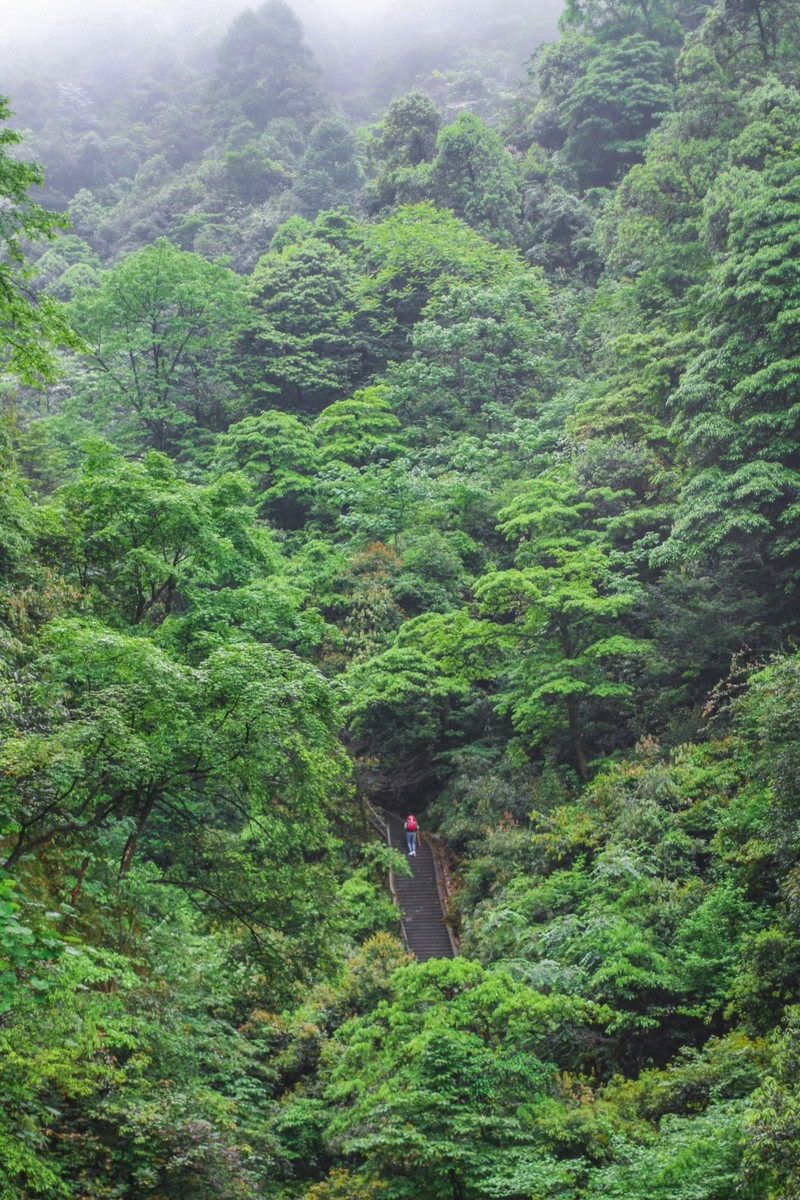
<point x="411" y="828"/>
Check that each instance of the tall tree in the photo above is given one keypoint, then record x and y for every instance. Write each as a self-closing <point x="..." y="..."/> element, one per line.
<point x="405" y="145"/>
<point x="474" y="175"/>
<point x="266" y="71"/>
<point x="565" y="597"/>
<point x="236" y="759"/>
<point x="662" y="19"/>
<point x="445" y="1106"/>
<point x="477" y="352"/>
<point x="158" y="327"/>
<point x="738" y="400"/>
<point x="276" y="452"/>
<point x="140" y="539"/>
<point x="329" y="172"/>
<point x="421" y="251"/>
<point x="309" y="333"/>
<point x="626" y="89"/>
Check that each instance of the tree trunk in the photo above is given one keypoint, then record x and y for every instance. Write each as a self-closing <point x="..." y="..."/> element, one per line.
<point x="76" y="891"/>
<point x="130" y="845"/>
<point x="458" y="1191"/>
<point x="577" y="741"/>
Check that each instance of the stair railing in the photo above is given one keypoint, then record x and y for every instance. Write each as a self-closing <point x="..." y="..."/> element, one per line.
<point x="381" y="825"/>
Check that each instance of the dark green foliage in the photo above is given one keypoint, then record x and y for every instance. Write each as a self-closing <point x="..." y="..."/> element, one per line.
<point x="408" y="137"/>
<point x="277" y="454"/>
<point x="552" y="72"/>
<point x="567" y="645"/>
<point x="478" y="351"/>
<point x="754" y="36"/>
<point x="266" y="71"/>
<point x="358" y="431"/>
<point x="561" y="233"/>
<point x="307" y="337"/>
<point x="446" y="1107"/>
<point x="738" y="397"/>
<point x="252" y="176"/>
<point x="662" y="18"/>
<point x="611" y="108"/>
<point x="699" y="1156"/>
<point x="474" y="175"/>
<point x="405" y="146"/>
<point x="771" y="1125"/>
<point x="329" y="173"/>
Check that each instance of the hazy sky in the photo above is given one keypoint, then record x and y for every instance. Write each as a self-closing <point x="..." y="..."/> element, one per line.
<point x="63" y="30"/>
<point x="40" y="17"/>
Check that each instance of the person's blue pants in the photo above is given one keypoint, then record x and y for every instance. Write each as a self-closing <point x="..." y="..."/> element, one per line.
<point x="411" y="840"/>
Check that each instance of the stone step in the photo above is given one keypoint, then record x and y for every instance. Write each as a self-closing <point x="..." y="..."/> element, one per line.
<point x="418" y="896"/>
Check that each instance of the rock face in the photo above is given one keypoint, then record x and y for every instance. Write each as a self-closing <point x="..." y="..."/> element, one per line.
<point x="418" y="896"/>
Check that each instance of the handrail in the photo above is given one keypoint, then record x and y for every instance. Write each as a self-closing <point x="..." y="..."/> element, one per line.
<point x="442" y="890"/>
<point x="376" y="820"/>
<point x="376" y="817"/>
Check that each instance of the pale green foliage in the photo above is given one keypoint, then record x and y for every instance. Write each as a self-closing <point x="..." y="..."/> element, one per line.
<point x="358" y="431"/>
<point x="158" y="326"/>
<point x="136" y="536"/>
<point x="277" y="454"/>
<point x="421" y="252"/>
<point x="16" y="512"/>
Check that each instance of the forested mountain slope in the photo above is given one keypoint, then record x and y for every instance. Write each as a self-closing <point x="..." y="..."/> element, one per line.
<point x="447" y="462"/>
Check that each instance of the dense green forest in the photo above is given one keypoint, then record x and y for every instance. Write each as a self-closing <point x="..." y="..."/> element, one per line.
<point x="419" y="436"/>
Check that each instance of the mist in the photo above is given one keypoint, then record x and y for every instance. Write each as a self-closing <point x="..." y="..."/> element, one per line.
<point x="103" y="44"/>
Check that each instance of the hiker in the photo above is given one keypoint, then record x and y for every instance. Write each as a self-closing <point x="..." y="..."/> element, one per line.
<point x="411" y="828"/>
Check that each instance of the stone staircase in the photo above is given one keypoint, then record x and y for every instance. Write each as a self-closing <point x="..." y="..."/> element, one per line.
<point x="424" y="927"/>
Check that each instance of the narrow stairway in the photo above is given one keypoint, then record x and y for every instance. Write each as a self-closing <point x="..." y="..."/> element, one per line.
<point x="426" y="934"/>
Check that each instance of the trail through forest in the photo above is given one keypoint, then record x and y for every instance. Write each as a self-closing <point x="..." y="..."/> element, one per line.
<point x="419" y="899"/>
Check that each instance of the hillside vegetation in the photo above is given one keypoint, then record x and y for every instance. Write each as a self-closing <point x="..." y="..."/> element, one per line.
<point x="447" y="461"/>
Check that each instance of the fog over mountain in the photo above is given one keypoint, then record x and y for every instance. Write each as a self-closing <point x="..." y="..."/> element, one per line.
<point x="100" y="40"/>
<point x="41" y="20"/>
